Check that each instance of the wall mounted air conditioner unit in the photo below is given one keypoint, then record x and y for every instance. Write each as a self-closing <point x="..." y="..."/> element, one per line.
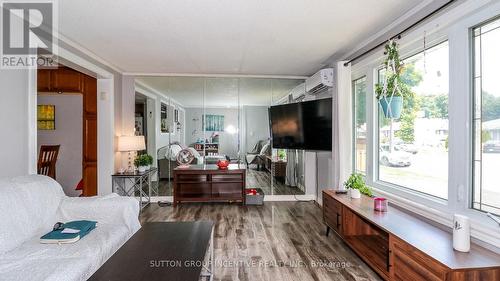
<point x="320" y="81"/>
<point x="298" y="92"/>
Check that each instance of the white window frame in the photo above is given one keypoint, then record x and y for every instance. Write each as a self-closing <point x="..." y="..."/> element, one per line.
<point x="473" y="103"/>
<point x="409" y="51"/>
<point x="454" y="26"/>
<point x="354" y="135"/>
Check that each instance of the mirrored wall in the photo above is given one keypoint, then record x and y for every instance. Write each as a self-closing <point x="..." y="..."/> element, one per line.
<point x="224" y="118"/>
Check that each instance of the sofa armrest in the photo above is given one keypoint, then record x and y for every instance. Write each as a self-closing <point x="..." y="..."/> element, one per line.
<point x="110" y="209"/>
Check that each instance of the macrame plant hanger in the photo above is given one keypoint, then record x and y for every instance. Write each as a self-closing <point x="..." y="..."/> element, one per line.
<point x="390" y="69"/>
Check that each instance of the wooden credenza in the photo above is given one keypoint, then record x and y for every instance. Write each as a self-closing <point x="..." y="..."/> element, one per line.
<point x="208" y="183"/>
<point x="399" y="246"/>
<point x="277" y="168"/>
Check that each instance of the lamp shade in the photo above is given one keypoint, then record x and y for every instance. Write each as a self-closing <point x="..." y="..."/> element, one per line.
<point x="131" y="143"/>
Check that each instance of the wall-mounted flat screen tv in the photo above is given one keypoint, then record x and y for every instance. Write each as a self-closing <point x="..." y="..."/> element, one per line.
<point x="305" y="125"/>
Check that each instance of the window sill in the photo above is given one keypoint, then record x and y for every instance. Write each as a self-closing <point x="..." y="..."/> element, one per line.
<point x="415" y="196"/>
<point x="484" y="231"/>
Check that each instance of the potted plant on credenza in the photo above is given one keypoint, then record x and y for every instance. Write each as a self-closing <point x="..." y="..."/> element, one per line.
<point x="356" y="186"/>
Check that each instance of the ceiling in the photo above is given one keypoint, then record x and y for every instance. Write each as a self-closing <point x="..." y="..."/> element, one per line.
<point x="220" y="92"/>
<point x="273" y="37"/>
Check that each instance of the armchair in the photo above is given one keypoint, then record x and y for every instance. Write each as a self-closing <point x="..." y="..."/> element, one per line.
<point x="258" y="153"/>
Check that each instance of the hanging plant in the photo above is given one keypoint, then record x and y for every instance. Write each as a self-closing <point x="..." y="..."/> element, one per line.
<point x="391" y="92"/>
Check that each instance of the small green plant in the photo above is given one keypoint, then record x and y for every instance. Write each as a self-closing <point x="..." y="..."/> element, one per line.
<point x="356" y="181"/>
<point x="392" y="84"/>
<point x="281" y="154"/>
<point x="143" y="160"/>
<point x="150" y="159"/>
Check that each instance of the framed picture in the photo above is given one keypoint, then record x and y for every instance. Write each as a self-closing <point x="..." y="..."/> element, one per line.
<point x="213" y="123"/>
<point x="46" y="117"/>
<point x="139" y="126"/>
<point x="163" y="118"/>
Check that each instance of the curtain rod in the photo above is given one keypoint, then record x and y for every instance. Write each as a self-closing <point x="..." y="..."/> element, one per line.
<point x="398" y="36"/>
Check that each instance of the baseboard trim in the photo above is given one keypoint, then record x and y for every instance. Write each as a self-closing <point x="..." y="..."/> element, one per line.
<point x="278" y="198"/>
<point x="267" y="198"/>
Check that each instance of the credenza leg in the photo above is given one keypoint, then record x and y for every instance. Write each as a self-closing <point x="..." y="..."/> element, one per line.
<point x="327" y="230"/>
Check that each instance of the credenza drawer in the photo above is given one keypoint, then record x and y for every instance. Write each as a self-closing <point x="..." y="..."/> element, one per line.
<point x="408" y="263"/>
<point x="332" y="213"/>
<point x="189" y="190"/>
<point x="332" y="204"/>
<point x="334" y="221"/>
<point x="227" y="177"/>
<point x="226" y="190"/>
<point x="192" y="178"/>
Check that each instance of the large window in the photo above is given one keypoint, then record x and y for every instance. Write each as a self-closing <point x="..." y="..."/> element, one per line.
<point x="359" y="90"/>
<point x="413" y="150"/>
<point x="486" y="195"/>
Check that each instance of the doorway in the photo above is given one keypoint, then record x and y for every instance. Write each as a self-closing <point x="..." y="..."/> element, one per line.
<point x="144" y="123"/>
<point x="70" y="98"/>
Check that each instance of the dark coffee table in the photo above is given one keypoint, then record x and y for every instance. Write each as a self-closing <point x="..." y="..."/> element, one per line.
<point x="163" y="251"/>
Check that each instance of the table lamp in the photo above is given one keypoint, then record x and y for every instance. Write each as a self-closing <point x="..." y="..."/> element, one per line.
<point x="129" y="144"/>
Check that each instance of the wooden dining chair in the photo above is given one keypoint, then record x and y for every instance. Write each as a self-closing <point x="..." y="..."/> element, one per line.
<point x="47" y="160"/>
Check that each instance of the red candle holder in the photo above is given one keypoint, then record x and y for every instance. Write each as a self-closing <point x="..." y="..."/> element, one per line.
<point x="222" y="164"/>
<point x="380" y="204"/>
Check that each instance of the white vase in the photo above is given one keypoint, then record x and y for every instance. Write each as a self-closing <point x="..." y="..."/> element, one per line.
<point x="142" y="169"/>
<point x="354" y="193"/>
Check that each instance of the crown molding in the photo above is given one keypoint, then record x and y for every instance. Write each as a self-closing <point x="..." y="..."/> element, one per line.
<point x="211" y="75"/>
<point x="383" y="32"/>
<point x="148" y="89"/>
<point x="87" y="52"/>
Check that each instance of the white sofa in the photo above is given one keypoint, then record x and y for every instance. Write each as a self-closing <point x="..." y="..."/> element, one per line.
<point x="31" y="205"/>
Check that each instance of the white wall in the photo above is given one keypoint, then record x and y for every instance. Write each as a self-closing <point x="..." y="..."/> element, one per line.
<point x="127" y="109"/>
<point x="228" y="142"/>
<point x="68" y="134"/>
<point x="18" y="137"/>
<point x="256" y="126"/>
<point x="14" y="123"/>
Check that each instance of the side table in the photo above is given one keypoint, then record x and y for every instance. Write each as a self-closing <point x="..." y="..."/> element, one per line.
<point x="128" y="183"/>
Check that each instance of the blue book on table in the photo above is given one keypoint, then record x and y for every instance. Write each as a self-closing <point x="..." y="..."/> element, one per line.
<point x="59" y="237"/>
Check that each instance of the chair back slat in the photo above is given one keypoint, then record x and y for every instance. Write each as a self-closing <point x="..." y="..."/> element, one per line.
<point x="47" y="160"/>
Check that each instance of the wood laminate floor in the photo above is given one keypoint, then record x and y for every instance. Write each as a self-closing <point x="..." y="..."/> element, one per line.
<point x="269" y="185"/>
<point x="280" y="241"/>
<point x="255" y="179"/>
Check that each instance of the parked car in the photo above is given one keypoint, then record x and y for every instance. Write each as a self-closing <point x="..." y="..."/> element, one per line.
<point x="399" y="145"/>
<point x="407" y="147"/>
<point x="491" y="147"/>
<point x="394" y="158"/>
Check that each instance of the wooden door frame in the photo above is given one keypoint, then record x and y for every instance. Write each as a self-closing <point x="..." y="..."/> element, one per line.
<point x="106" y="109"/>
<point x="68" y="80"/>
<point x="90" y="136"/>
